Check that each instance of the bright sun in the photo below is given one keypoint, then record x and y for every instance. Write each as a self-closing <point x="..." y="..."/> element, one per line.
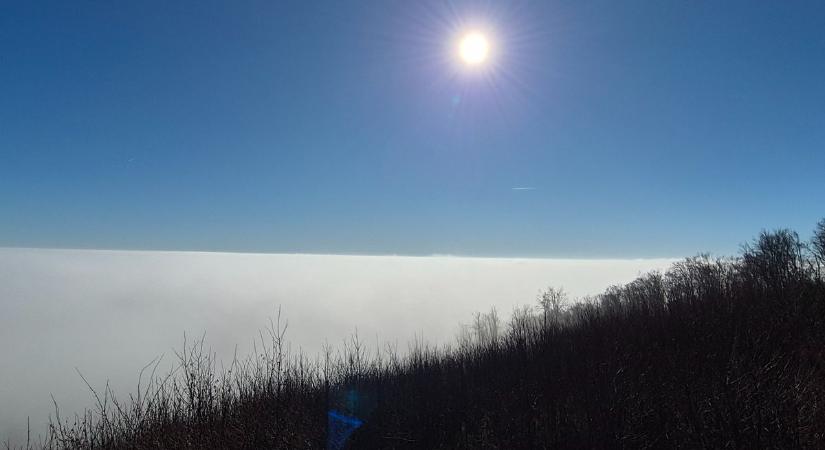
<point x="474" y="48"/>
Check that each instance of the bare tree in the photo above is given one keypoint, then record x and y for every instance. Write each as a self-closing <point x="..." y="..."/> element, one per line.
<point x="486" y="328"/>
<point x="552" y="303"/>
<point x="493" y="325"/>
<point x="818" y="246"/>
<point x="775" y="259"/>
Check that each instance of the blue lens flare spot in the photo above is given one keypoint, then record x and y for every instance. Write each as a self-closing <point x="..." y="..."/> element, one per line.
<point x="340" y="428"/>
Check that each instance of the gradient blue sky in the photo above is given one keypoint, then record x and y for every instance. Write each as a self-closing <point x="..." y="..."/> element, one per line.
<point x="646" y="129"/>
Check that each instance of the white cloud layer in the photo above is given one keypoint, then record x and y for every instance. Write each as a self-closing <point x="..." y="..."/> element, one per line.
<point x="108" y="313"/>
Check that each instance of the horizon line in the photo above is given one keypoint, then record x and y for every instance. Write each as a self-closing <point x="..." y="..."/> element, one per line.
<point x="397" y="255"/>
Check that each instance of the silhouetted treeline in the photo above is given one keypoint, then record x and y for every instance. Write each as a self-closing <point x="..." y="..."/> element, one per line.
<point x="713" y="353"/>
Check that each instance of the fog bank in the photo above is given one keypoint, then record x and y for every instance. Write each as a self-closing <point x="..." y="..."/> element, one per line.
<point x="108" y="313"/>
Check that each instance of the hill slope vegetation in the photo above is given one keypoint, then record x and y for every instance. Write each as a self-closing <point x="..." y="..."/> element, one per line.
<point x="713" y="353"/>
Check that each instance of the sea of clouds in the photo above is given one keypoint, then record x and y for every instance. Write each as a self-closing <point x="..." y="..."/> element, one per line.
<point x="109" y="313"/>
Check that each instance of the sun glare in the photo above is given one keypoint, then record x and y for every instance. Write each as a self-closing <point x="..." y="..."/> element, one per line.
<point x="474" y="48"/>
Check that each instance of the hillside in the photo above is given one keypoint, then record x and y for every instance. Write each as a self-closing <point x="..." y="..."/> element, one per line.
<point x="713" y="353"/>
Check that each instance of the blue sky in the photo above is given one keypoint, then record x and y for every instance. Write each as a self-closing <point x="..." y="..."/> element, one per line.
<point x="645" y="129"/>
